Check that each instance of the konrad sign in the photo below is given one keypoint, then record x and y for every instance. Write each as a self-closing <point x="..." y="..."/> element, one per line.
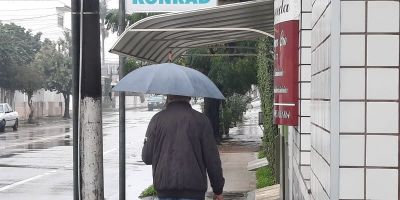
<point x="286" y="49"/>
<point x="135" y="6"/>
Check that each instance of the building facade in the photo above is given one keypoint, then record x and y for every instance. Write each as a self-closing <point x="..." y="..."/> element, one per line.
<point x="346" y="145"/>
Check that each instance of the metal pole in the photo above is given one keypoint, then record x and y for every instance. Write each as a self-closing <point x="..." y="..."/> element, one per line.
<point x="75" y="32"/>
<point x="122" y="143"/>
<point x="91" y="175"/>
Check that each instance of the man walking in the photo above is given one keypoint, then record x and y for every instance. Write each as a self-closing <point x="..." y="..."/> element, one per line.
<point x="180" y="146"/>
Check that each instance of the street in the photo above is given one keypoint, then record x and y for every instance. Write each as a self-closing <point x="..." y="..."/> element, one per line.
<point x="36" y="162"/>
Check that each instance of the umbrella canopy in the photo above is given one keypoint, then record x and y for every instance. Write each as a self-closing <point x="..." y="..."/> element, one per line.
<point x="169" y="78"/>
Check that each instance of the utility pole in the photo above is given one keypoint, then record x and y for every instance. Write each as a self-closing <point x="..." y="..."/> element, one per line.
<point x="88" y="136"/>
<point x="75" y="33"/>
<point x="122" y="143"/>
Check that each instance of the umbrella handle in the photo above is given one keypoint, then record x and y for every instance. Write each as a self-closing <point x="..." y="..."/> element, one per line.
<point x="170" y="56"/>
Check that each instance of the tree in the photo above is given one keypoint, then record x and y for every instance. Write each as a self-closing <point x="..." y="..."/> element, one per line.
<point x="55" y="61"/>
<point x="112" y="19"/>
<point x="231" y="75"/>
<point x="31" y="80"/>
<point x="18" y="48"/>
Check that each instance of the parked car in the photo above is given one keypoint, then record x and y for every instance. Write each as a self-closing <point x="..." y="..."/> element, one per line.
<point x="155" y="102"/>
<point x="8" y="117"/>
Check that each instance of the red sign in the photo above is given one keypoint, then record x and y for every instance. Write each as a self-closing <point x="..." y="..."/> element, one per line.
<point x="286" y="73"/>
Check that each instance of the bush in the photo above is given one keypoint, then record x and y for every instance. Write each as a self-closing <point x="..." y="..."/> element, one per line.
<point x="232" y="110"/>
<point x="148" y="192"/>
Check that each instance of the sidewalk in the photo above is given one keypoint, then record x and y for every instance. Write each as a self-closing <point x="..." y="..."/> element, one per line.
<point x="236" y="151"/>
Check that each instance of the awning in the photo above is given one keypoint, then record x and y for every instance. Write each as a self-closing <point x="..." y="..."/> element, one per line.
<point x="153" y="38"/>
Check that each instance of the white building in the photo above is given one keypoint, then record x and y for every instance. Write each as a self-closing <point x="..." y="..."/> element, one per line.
<point x="52" y="18"/>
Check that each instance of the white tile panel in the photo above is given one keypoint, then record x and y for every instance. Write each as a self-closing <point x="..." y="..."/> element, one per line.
<point x="352" y="52"/>
<point x="352" y="83"/>
<point x="306" y="38"/>
<point x="353" y="16"/>
<point x="382" y="184"/>
<point x="305" y="142"/>
<point x="383" y="84"/>
<point x="383" y="16"/>
<point x="351" y="185"/>
<point x="305" y="158"/>
<point x="383" y="50"/>
<point x="382" y="117"/>
<point x="382" y="150"/>
<point x="352" y="150"/>
<point x="352" y="116"/>
<point x="305" y="71"/>
<point x="305" y="108"/>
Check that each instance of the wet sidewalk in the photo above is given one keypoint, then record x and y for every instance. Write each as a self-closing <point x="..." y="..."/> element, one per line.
<point x="239" y="148"/>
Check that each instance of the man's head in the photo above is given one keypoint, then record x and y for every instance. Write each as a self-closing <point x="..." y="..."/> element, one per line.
<point x="174" y="98"/>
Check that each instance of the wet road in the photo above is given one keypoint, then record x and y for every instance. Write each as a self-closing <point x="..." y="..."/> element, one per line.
<point x="36" y="162"/>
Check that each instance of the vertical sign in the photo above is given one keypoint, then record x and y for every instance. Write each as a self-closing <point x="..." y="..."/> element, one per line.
<point x="286" y="49"/>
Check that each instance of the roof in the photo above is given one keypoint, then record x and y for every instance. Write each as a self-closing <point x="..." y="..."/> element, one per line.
<point x="153" y="38"/>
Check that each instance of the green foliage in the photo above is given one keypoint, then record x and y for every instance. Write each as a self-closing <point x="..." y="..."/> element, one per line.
<point x="265" y="84"/>
<point x="148" y="192"/>
<point x="111" y="19"/>
<point x="265" y="177"/>
<point x="131" y="64"/>
<point x="18" y="48"/>
<point x="233" y="109"/>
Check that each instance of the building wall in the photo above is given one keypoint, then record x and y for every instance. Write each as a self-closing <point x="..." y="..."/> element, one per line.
<point x="354" y="106"/>
<point x="369" y="100"/>
<point x="300" y="140"/>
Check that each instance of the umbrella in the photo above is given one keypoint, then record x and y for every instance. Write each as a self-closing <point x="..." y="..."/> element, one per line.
<point x="169" y="78"/>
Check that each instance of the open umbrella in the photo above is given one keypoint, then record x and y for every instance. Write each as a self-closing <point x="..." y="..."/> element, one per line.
<point x="169" y="78"/>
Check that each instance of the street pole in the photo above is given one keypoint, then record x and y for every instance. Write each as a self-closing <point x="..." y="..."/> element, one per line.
<point x="122" y="143"/>
<point x="88" y="137"/>
<point x="75" y="33"/>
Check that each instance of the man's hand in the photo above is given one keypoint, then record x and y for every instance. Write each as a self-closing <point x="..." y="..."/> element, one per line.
<point x="219" y="197"/>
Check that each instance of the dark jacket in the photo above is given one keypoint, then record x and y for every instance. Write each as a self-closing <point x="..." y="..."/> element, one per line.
<point x="181" y="147"/>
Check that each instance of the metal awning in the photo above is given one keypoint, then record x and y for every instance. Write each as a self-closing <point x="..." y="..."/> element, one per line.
<point x="153" y="38"/>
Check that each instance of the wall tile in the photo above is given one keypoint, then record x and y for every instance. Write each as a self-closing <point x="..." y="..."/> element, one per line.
<point x="305" y="73"/>
<point x="352" y="83"/>
<point x="382" y="117"/>
<point x="382" y="150"/>
<point x="352" y="116"/>
<point x="352" y="52"/>
<point x="306" y="38"/>
<point x="383" y="50"/>
<point x="383" y="16"/>
<point x="352" y="150"/>
<point x="305" y="56"/>
<point x="306" y="171"/>
<point x="383" y="84"/>
<point x="351" y="184"/>
<point x="305" y="124"/>
<point x="353" y="16"/>
<point x="305" y="107"/>
<point x="382" y="184"/>
<point x="306" y="5"/>
<point x="305" y="142"/>
<point x="306" y="21"/>
<point x="305" y="158"/>
<point x="305" y="90"/>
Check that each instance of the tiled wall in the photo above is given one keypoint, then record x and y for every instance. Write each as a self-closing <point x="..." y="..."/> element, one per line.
<point x="369" y="100"/>
<point x="321" y="99"/>
<point x="353" y="103"/>
<point x="301" y="144"/>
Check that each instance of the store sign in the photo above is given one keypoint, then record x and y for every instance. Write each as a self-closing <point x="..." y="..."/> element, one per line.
<point x="147" y="6"/>
<point x="286" y="49"/>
